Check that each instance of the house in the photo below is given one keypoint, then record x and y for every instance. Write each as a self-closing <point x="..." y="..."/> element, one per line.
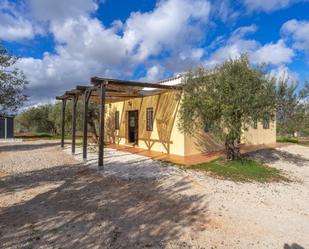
<point x="151" y="123"/>
<point x="145" y="115"/>
<point x="6" y="127"/>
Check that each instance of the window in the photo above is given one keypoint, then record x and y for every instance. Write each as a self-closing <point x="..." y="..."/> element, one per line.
<point x="255" y="124"/>
<point x="149" y="119"/>
<point x="266" y="123"/>
<point x="117" y="120"/>
<point x="206" y="127"/>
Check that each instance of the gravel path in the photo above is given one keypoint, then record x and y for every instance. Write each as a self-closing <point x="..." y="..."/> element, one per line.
<point x="127" y="166"/>
<point x="48" y="199"/>
<point x="17" y="157"/>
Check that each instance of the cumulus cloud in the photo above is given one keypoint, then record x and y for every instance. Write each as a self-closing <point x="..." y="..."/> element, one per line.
<point x="298" y="31"/>
<point x="85" y="47"/>
<point x="267" y="5"/>
<point x="58" y="10"/>
<point x="272" y="53"/>
<point x="12" y="25"/>
<point x="168" y="26"/>
<point x="154" y="73"/>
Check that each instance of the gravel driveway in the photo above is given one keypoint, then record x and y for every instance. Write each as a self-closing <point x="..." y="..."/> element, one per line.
<point x="48" y="199"/>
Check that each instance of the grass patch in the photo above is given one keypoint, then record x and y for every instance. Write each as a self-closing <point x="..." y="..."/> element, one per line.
<point x="287" y="140"/>
<point x="243" y="171"/>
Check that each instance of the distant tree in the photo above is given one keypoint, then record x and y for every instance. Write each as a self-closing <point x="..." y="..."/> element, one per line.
<point x="12" y="83"/>
<point x="93" y="116"/>
<point x="47" y="118"/>
<point x="226" y="100"/>
<point x="93" y="119"/>
<point x="292" y="107"/>
<point x="36" y="119"/>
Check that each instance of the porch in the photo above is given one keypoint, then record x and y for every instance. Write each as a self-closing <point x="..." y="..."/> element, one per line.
<point x="188" y="160"/>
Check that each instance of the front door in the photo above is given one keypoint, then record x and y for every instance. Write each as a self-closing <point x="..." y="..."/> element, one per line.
<point x="133" y="127"/>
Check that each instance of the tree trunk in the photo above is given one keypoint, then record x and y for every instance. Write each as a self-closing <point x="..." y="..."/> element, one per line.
<point x="232" y="150"/>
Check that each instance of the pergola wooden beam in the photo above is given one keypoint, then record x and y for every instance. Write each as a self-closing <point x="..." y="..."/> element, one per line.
<point x="101" y="128"/>
<point x="106" y="91"/>
<point x="74" y="105"/>
<point x="97" y="81"/>
<point x="87" y="94"/>
<point x="64" y="101"/>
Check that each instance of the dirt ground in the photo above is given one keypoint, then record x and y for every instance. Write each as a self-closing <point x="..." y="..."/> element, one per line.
<point x="48" y="199"/>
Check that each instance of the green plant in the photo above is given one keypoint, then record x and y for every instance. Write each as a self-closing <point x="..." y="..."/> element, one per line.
<point x="226" y="100"/>
<point x="287" y="140"/>
<point x="241" y="170"/>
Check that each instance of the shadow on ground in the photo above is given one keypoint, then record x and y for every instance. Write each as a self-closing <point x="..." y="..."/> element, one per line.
<point x="292" y="246"/>
<point x="83" y="209"/>
<point x="273" y="155"/>
<point x="26" y="147"/>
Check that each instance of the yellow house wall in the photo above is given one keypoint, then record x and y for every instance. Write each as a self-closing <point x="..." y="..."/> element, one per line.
<point x="204" y="142"/>
<point x="165" y="107"/>
<point x="260" y="135"/>
<point x="165" y="128"/>
<point x="201" y="142"/>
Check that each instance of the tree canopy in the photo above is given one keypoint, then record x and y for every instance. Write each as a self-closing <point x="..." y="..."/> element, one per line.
<point x="226" y="100"/>
<point x="292" y="107"/>
<point x="47" y="118"/>
<point x="12" y="83"/>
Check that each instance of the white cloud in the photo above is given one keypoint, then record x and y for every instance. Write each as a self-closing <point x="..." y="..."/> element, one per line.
<point x="283" y="72"/>
<point x="12" y="25"/>
<point x="272" y="53"/>
<point x="85" y="47"/>
<point x="154" y="73"/>
<point x="267" y="5"/>
<point x="58" y="10"/>
<point x="299" y="32"/>
<point x="243" y="31"/>
<point x="224" y="10"/>
<point x="168" y="26"/>
<point x="234" y="46"/>
<point x="15" y="28"/>
<point x="231" y="51"/>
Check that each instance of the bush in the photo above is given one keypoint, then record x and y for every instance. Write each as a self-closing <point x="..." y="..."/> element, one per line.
<point x="287" y="140"/>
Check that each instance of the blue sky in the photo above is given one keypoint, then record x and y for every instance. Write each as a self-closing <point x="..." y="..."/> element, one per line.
<point x="62" y="43"/>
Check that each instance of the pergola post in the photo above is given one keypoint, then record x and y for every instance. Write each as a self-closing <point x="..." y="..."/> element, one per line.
<point x="85" y="134"/>
<point x="74" y="104"/>
<point x="64" y="101"/>
<point x="101" y="128"/>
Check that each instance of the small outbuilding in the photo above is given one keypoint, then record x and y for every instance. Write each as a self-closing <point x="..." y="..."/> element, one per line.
<point x="6" y="127"/>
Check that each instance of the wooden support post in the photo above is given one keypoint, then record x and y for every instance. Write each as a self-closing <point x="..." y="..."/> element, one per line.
<point x="85" y="134"/>
<point x="101" y="128"/>
<point x="64" y="101"/>
<point x="74" y="104"/>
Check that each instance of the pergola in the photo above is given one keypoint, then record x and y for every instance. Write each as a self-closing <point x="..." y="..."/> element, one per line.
<point x="106" y="91"/>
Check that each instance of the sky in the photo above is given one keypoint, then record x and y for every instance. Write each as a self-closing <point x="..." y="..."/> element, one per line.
<point x="63" y="43"/>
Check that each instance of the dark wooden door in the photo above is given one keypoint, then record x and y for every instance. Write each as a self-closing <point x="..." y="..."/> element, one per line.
<point x="2" y="127"/>
<point x="133" y="127"/>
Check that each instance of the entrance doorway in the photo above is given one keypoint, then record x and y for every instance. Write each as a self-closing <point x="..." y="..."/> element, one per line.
<point x="133" y="127"/>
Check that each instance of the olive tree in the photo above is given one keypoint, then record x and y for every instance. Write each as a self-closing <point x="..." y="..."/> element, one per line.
<point x="226" y="100"/>
<point x="292" y="106"/>
<point x="12" y="83"/>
